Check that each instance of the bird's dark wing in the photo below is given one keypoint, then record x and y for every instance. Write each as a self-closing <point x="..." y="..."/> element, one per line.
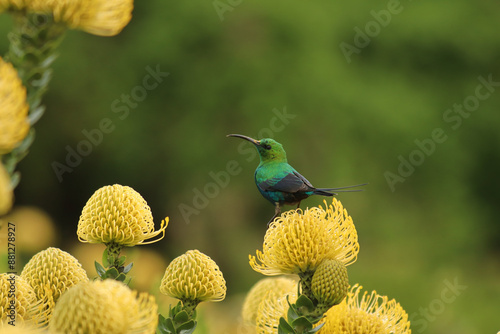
<point x="290" y="183"/>
<point x="306" y="182"/>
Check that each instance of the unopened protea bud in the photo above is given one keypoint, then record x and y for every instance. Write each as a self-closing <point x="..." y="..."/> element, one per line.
<point x="330" y="282"/>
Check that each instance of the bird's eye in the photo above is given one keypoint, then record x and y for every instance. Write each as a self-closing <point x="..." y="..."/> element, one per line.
<point x="267" y="146"/>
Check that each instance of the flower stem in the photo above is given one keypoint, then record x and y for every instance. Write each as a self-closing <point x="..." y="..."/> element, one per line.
<point x="305" y="285"/>
<point x="114" y="254"/>
<point x="189" y="306"/>
<point x="33" y="41"/>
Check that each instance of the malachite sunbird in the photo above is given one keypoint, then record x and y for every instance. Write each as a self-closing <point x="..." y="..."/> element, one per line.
<point x="279" y="182"/>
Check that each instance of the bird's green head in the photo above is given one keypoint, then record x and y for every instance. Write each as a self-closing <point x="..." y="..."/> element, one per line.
<point x="269" y="149"/>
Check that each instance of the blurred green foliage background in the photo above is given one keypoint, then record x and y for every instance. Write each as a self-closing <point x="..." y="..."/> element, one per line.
<point x="277" y="69"/>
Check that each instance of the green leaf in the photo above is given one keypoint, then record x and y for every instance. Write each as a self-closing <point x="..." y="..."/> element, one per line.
<point x="285" y="328"/>
<point x="14" y="180"/>
<point x="128" y="267"/>
<point x="121" y="277"/>
<point x="292" y="311"/>
<point x="181" y="317"/>
<point x="303" y="303"/>
<point x="49" y="60"/>
<point x="100" y="269"/>
<point x="127" y="281"/>
<point x="36" y="114"/>
<point x="314" y="330"/>
<point x="105" y="258"/>
<point x="112" y="273"/>
<point x="303" y="324"/>
<point x="187" y="327"/>
<point x="169" y="325"/>
<point x="121" y="260"/>
<point x="162" y="327"/>
<point x="42" y="80"/>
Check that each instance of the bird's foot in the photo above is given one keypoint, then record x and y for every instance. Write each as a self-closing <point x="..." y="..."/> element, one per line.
<point x="277" y="212"/>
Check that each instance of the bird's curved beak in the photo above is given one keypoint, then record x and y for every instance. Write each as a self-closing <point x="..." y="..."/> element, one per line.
<point x="253" y="141"/>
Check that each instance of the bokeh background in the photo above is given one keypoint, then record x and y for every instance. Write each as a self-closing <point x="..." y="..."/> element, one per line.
<point x="430" y="239"/>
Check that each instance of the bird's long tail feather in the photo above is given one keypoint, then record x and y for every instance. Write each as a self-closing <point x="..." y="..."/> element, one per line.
<point x="328" y="191"/>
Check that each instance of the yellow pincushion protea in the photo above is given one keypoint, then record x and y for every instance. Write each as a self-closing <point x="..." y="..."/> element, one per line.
<point x="297" y="242"/>
<point x="103" y="307"/>
<point x="14" y="123"/>
<point x="278" y="286"/>
<point x="330" y="282"/>
<point x="271" y="309"/>
<point x="98" y="17"/>
<point x="6" y="194"/>
<point x="119" y="215"/>
<point x="18" y="302"/>
<point x="266" y="302"/>
<point x="370" y="314"/>
<point x="193" y="278"/>
<point x="51" y="272"/>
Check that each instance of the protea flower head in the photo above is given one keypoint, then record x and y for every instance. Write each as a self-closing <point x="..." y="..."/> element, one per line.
<point x="51" y="272"/>
<point x="14" y="123"/>
<point x="103" y="307"/>
<point x="18" y="303"/>
<point x="118" y="215"/>
<point x="193" y="278"/>
<point x="366" y="314"/>
<point x="267" y="301"/>
<point x="299" y="241"/>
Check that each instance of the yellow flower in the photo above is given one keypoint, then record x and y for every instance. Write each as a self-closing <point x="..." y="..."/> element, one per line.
<point x="271" y="309"/>
<point x="14" y="123"/>
<point x="370" y="314"/>
<point x="118" y="215"/>
<point x="104" y="307"/>
<point x="330" y="282"/>
<point x="266" y="303"/>
<point x="6" y="194"/>
<point x="193" y="277"/>
<point x="267" y="288"/>
<point x="51" y="272"/>
<point x="26" y="309"/>
<point x="98" y="17"/>
<point x="107" y="18"/>
<point x="297" y="242"/>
